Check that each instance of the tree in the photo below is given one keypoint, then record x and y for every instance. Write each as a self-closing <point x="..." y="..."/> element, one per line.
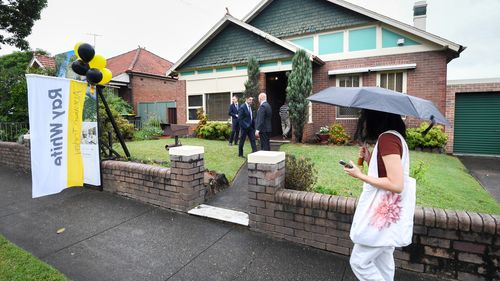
<point x="13" y="93"/>
<point x="13" y="90"/>
<point x="298" y="89"/>
<point x="252" y="86"/>
<point x="17" y="18"/>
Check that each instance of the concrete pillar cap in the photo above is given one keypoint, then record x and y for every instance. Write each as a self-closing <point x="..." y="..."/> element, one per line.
<point x="266" y="157"/>
<point x="186" y="150"/>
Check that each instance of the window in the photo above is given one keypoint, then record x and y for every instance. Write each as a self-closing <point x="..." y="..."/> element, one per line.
<point x="362" y="39"/>
<point x="331" y="43"/>
<point x="395" y="81"/>
<point x="195" y="102"/>
<point x="348" y="81"/>
<point x="305" y="43"/>
<point x="217" y="105"/>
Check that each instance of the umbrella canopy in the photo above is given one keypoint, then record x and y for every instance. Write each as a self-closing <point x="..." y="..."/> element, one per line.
<point x="380" y="99"/>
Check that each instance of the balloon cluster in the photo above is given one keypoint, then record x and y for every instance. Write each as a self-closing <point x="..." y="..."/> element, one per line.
<point x="91" y="65"/>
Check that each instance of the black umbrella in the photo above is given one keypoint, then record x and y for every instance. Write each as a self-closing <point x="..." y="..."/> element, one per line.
<point x="380" y="99"/>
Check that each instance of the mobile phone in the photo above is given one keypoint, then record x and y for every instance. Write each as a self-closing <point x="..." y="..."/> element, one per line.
<point x="345" y="164"/>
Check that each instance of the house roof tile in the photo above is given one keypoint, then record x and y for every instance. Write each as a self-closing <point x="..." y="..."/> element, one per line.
<point x="139" y="60"/>
<point x="46" y="61"/>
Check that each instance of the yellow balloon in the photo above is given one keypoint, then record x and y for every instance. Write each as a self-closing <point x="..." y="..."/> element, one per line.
<point x="106" y="76"/>
<point x="77" y="45"/>
<point x="98" y="62"/>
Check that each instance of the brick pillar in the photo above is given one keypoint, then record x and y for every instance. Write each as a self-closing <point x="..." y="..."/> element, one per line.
<point x="187" y="169"/>
<point x="266" y="175"/>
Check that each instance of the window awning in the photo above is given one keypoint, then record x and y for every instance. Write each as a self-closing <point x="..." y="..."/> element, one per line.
<point x="372" y="69"/>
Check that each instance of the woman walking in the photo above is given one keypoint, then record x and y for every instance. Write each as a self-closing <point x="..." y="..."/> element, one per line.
<point x="384" y="215"/>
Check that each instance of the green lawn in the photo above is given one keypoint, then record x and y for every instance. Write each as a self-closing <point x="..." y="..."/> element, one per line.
<point x="219" y="156"/>
<point x="446" y="184"/>
<point x="17" y="264"/>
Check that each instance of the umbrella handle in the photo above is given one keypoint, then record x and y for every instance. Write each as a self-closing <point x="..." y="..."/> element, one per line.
<point x="433" y="122"/>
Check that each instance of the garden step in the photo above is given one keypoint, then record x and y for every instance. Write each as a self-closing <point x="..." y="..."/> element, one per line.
<point x="220" y="214"/>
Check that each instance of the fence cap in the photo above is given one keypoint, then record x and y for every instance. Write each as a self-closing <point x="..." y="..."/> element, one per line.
<point x="266" y="157"/>
<point x="186" y="150"/>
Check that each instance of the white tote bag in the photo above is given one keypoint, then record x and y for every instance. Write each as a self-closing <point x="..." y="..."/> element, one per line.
<point x="384" y="218"/>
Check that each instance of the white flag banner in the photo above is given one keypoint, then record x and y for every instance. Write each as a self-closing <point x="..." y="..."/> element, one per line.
<point x="55" y="108"/>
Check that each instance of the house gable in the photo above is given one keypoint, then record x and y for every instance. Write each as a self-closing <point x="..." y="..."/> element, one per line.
<point x="234" y="45"/>
<point x="287" y="18"/>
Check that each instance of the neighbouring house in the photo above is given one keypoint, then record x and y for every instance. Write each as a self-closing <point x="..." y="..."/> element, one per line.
<point x="473" y="106"/>
<point x="59" y="63"/>
<point x="40" y="61"/>
<point x="348" y="46"/>
<point x="139" y="78"/>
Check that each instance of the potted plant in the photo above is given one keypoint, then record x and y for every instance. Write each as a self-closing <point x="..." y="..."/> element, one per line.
<point x="324" y="134"/>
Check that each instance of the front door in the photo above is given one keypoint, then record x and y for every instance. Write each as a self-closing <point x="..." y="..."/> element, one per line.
<point x="276" y="83"/>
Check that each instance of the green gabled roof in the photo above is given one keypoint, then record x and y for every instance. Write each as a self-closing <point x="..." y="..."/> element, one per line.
<point x="232" y="42"/>
<point x="284" y="18"/>
<point x="234" y="45"/>
<point x="281" y="17"/>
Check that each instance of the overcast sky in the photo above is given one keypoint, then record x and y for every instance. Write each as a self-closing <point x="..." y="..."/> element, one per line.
<point x="169" y="28"/>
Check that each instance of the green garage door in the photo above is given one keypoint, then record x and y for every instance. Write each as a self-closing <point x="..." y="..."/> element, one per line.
<point x="477" y="123"/>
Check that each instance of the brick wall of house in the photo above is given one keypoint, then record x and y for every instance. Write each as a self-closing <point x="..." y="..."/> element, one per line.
<point x="427" y="80"/>
<point x="157" y="89"/>
<point x="452" y="244"/>
<point x="15" y="155"/>
<point x="451" y="91"/>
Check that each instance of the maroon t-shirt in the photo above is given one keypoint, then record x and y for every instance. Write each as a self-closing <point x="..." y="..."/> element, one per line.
<point x="387" y="144"/>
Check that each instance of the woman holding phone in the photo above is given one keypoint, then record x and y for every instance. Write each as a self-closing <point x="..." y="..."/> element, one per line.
<point x="384" y="215"/>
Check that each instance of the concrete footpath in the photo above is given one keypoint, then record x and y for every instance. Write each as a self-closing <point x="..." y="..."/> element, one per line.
<point x="108" y="237"/>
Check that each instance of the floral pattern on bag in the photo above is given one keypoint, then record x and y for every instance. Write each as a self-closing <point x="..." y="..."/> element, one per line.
<point x="388" y="211"/>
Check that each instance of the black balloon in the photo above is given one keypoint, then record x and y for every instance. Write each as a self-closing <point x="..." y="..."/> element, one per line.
<point x="86" y="52"/>
<point x="80" y="67"/>
<point x="94" y="76"/>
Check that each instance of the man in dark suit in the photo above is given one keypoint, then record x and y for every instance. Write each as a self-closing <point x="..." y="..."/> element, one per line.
<point x="245" y="119"/>
<point x="263" y="122"/>
<point x="233" y="112"/>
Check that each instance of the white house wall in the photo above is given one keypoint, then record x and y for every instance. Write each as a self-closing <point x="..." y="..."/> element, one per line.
<point x="216" y="85"/>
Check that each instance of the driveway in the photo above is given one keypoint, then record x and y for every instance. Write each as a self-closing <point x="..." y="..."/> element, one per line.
<point x="486" y="170"/>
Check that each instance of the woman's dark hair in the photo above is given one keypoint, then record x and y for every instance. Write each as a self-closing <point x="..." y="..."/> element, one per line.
<point x="372" y="123"/>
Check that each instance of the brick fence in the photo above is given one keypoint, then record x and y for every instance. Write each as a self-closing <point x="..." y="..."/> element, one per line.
<point x="179" y="187"/>
<point x="452" y="244"/>
<point x="15" y="155"/>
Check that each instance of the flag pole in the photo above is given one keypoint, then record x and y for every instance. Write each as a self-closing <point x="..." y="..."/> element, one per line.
<point x="110" y="116"/>
<point x="99" y="133"/>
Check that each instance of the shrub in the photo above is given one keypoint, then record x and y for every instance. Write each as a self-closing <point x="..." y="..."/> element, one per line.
<point x="324" y="130"/>
<point x="214" y="131"/>
<point x="435" y="138"/>
<point x="150" y="130"/>
<point x="338" y="134"/>
<point x="203" y="119"/>
<point x="298" y="89"/>
<point x="126" y="129"/>
<point x="418" y="171"/>
<point x="300" y="173"/>
<point x="211" y="130"/>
